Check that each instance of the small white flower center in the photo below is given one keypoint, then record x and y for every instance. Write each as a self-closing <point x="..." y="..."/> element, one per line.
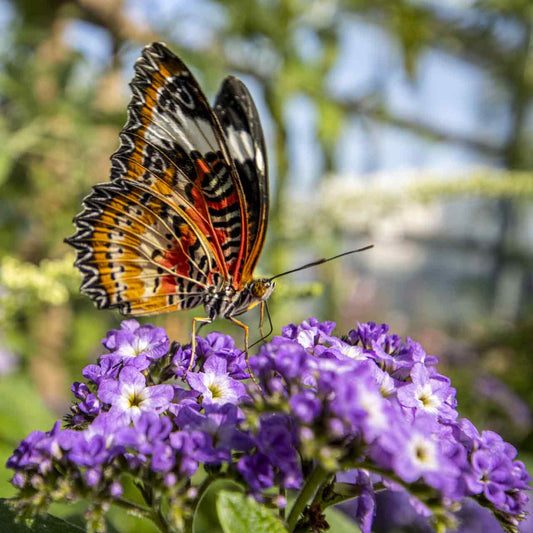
<point x="353" y="352"/>
<point x="217" y="386"/>
<point x="423" y="453"/>
<point x="139" y="346"/>
<point x="132" y="397"/>
<point x="430" y="402"/>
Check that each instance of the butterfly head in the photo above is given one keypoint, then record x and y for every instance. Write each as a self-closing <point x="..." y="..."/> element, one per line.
<point x="261" y="289"/>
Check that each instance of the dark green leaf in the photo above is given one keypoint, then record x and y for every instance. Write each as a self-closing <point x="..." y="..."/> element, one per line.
<point x="41" y="524"/>
<point x="239" y="513"/>
<point x="339" y="522"/>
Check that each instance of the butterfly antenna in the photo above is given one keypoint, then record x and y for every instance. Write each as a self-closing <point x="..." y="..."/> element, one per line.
<point x="320" y="261"/>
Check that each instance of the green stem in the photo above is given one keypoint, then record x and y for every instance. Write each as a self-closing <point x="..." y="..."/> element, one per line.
<point x="339" y="498"/>
<point x="283" y="493"/>
<point x="159" y="519"/>
<point x="155" y="514"/>
<point x="202" y="490"/>
<point x="313" y="482"/>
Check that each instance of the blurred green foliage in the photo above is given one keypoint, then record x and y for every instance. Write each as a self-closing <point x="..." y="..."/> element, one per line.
<point x="59" y="121"/>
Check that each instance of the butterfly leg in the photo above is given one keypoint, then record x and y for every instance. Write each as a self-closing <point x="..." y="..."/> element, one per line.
<point x="201" y="321"/>
<point x="247" y="355"/>
<point x="261" y="319"/>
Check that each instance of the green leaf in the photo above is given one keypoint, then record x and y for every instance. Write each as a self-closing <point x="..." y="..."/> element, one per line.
<point x="339" y="522"/>
<point x="239" y="513"/>
<point x="41" y="524"/>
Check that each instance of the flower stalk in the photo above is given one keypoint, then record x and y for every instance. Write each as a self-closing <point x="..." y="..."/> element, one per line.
<point x="317" y="478"/>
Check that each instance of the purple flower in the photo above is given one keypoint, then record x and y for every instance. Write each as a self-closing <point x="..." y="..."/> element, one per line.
<point x="163" y="457"/>
<point x="417" y="452"/>
<point x="27" y="454"/>
<point x="370" y="333"/>
<point x="148" y="430"/>
<point x="495" y="474"/>
<point x="309" y="333"/>
<point x="218" y="429"/>
<point x="56" y="440"/>
<point x="276" y="439"/>
<point x="412" y="352"/>
<point x="366" y="502"/>
<point x="116" y="489"/>
<point x="184" y="444"/>
<point x="90" y="451"/>
<point x="215" y="384"/>
<point x="39" y="449"/>
<point x="257" y="471"/>
<point x="286" y="357"/>
<point x="429" y="394"/>
<point x="344" y="349"/>
<point x="106" y="424"/>
<point x="305" y="406"/>
<point x="130" y="395"/>
<point x="90" y="405"/>
<point x="107" y="368"/>
<point x="133" y="340"/>
<point x="80" y="390"/>
<point x="224" y="346"/>
<point x="492" y="474"/>
<point x="181" y="359"/>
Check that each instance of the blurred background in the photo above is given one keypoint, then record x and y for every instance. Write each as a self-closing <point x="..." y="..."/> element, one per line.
<point x="402" y="123"/>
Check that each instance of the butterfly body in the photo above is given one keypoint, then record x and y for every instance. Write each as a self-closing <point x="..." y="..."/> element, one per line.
<point x="182" y="222"/>
<point x="230" y="302"/>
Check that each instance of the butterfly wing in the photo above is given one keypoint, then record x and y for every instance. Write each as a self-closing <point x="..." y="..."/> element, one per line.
<point x="239" y="119"/>
<point x="137" y="254"/>
<point x="170" y="223"/>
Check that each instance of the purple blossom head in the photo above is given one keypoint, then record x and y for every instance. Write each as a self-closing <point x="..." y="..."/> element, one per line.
<point x="223" y="346"/>
<point x="133" y="340"/>
<point x="130" y="396"/>
<point x="365" y="401"/>
<point x="215" y="384"/>
<point x="427" y="393"/>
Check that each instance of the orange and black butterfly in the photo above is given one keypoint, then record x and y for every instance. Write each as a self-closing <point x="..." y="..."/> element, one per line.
<point x="183" y="220"/>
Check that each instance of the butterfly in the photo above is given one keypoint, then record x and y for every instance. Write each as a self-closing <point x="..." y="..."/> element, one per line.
<point x="182" y="221"/>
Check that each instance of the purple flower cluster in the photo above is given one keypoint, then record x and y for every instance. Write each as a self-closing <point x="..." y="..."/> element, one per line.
<point x="367" y="406"/>
<point x="370" y="401"/>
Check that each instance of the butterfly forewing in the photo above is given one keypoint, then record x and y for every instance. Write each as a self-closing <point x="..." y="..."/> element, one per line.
<point x="173" y="136"/>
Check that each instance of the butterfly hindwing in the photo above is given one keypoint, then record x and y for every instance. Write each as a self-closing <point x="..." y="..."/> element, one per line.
<point x="133" y="247"/>
<point x="240" y="122"/>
